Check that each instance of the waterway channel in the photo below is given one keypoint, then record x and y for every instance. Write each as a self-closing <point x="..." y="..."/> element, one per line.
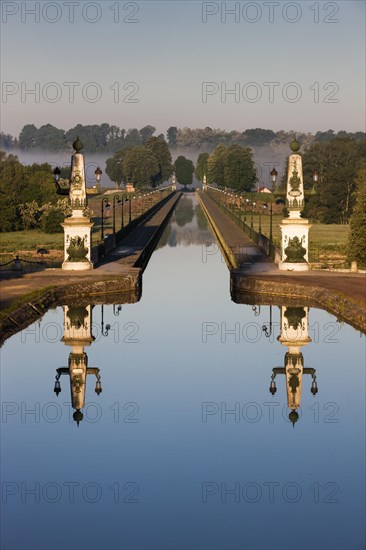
<point x="185" y="447"/>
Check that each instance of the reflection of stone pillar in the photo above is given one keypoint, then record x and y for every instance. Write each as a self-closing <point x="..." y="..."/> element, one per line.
<point x="77" y="228"/>
<point x="294" y="229"/>
<point x="294" y="335"/>
<point x="77" y="334"/>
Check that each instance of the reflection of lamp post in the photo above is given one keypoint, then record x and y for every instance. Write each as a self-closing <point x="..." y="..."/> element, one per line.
<point x="107" y="207"/>
<point x="117" y="311"/>
<point x="256" y="310"/>
<point x="107" y="327"/>
<point x="268" y="331"/>
<point x="114" y="211"/>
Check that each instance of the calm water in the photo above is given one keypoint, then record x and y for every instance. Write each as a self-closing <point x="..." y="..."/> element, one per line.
<point x="185" y="448"/>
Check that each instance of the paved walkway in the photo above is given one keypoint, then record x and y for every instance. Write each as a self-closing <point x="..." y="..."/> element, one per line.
<point x="243" y="248"/>
<point x="254" y="265"/>
<point x="120" y="261"/>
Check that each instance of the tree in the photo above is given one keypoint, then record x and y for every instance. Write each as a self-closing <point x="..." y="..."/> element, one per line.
<point x="184" y="170"/>
<point x="239" y="168"/>
<point x="140" y="166"/>
<point x="29" y="213"/>
<point x="172" y="136"/>
<point x="201" y="166"/>
<point x="28" y="137"/>
<point x="50" y="138"/>
<point x="160" y="150"/>
<point x="216" y="165"/>
<point x="257" y="137"/>
<point x="146" y="133"/>
<point x="357" y="237"/>
<point x="337" y="162"/>
<point x="114" y="167"/>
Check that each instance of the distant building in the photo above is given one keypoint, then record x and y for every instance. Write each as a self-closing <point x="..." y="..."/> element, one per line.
<point x="130" y="188"/>
<point x="263" y="190"/>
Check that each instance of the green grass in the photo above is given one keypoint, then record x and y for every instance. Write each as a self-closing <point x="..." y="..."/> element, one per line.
<point x="327" y="242"/>
<point x="30" y="240"/>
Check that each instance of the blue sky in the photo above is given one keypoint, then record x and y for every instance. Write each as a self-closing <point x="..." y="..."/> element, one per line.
<point x="169" y="53"/>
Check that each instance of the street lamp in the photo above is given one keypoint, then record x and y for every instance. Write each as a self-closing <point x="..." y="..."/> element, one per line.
<point x="98" y="174"/>
<point x="273" y="173"/>
<point x="117" y="200"/>
<point x="251" y="215"/>
<point x="264" y="206"/>
<point x="56" y="174"/>
<point x="107" y="207"/>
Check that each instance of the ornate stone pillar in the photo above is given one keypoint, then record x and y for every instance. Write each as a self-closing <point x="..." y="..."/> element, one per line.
<point x="77" y="228"/>
<point x="295" y="229"/>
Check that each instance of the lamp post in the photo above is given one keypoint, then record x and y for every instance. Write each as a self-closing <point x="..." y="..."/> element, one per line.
<point x="251" y="214"/>
<point x="246" y="204"/>
<point x="117" y="200"/>
<point x="273" y="173"/>
<point x="107" y="207"/>
<point x="271" y="227"/>
<point x="264" y="206"/>
<point x="98" y="174"/>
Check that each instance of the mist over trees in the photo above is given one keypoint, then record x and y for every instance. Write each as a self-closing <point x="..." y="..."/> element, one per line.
<point x="107" y="138"/>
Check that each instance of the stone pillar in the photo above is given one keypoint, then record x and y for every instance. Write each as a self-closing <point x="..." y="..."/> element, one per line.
<point x="174" y="182"/>
<point x="295" y="229"/>
<point x="77" y="228"/>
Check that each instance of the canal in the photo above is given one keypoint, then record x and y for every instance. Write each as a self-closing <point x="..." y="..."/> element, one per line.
<point x="185" y="447"/>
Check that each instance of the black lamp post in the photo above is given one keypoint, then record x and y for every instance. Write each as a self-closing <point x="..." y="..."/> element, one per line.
<point x="264" y="206"/>
<point x="251" y="214"/>
<point x="271" y="226"/>
<point x="273" y="173"/>
<point x="98" y="174"/>
<point x="56" y="174"/>
<point x="107" y="207"/>
<point x="117" y="200"/>
<point x="124" y="199"/>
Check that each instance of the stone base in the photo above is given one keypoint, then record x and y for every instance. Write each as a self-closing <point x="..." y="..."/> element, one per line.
<point x="289" y="266"/>
<point x="77" y="266"/>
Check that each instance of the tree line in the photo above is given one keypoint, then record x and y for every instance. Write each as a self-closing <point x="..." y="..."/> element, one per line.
<point x="107" y="138"/>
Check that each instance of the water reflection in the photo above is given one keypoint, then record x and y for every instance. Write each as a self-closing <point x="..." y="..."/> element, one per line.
<point x="294" y="335"/>
<point x="188" y="226"/>
<point x="78" y="335"/>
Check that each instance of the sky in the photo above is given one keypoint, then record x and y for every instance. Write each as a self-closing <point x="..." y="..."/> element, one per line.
<point x="230" y="65"/>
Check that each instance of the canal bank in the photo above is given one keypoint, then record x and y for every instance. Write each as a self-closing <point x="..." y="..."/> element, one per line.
<point x="26" y="297"/>
<point x="342" y="294"/>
